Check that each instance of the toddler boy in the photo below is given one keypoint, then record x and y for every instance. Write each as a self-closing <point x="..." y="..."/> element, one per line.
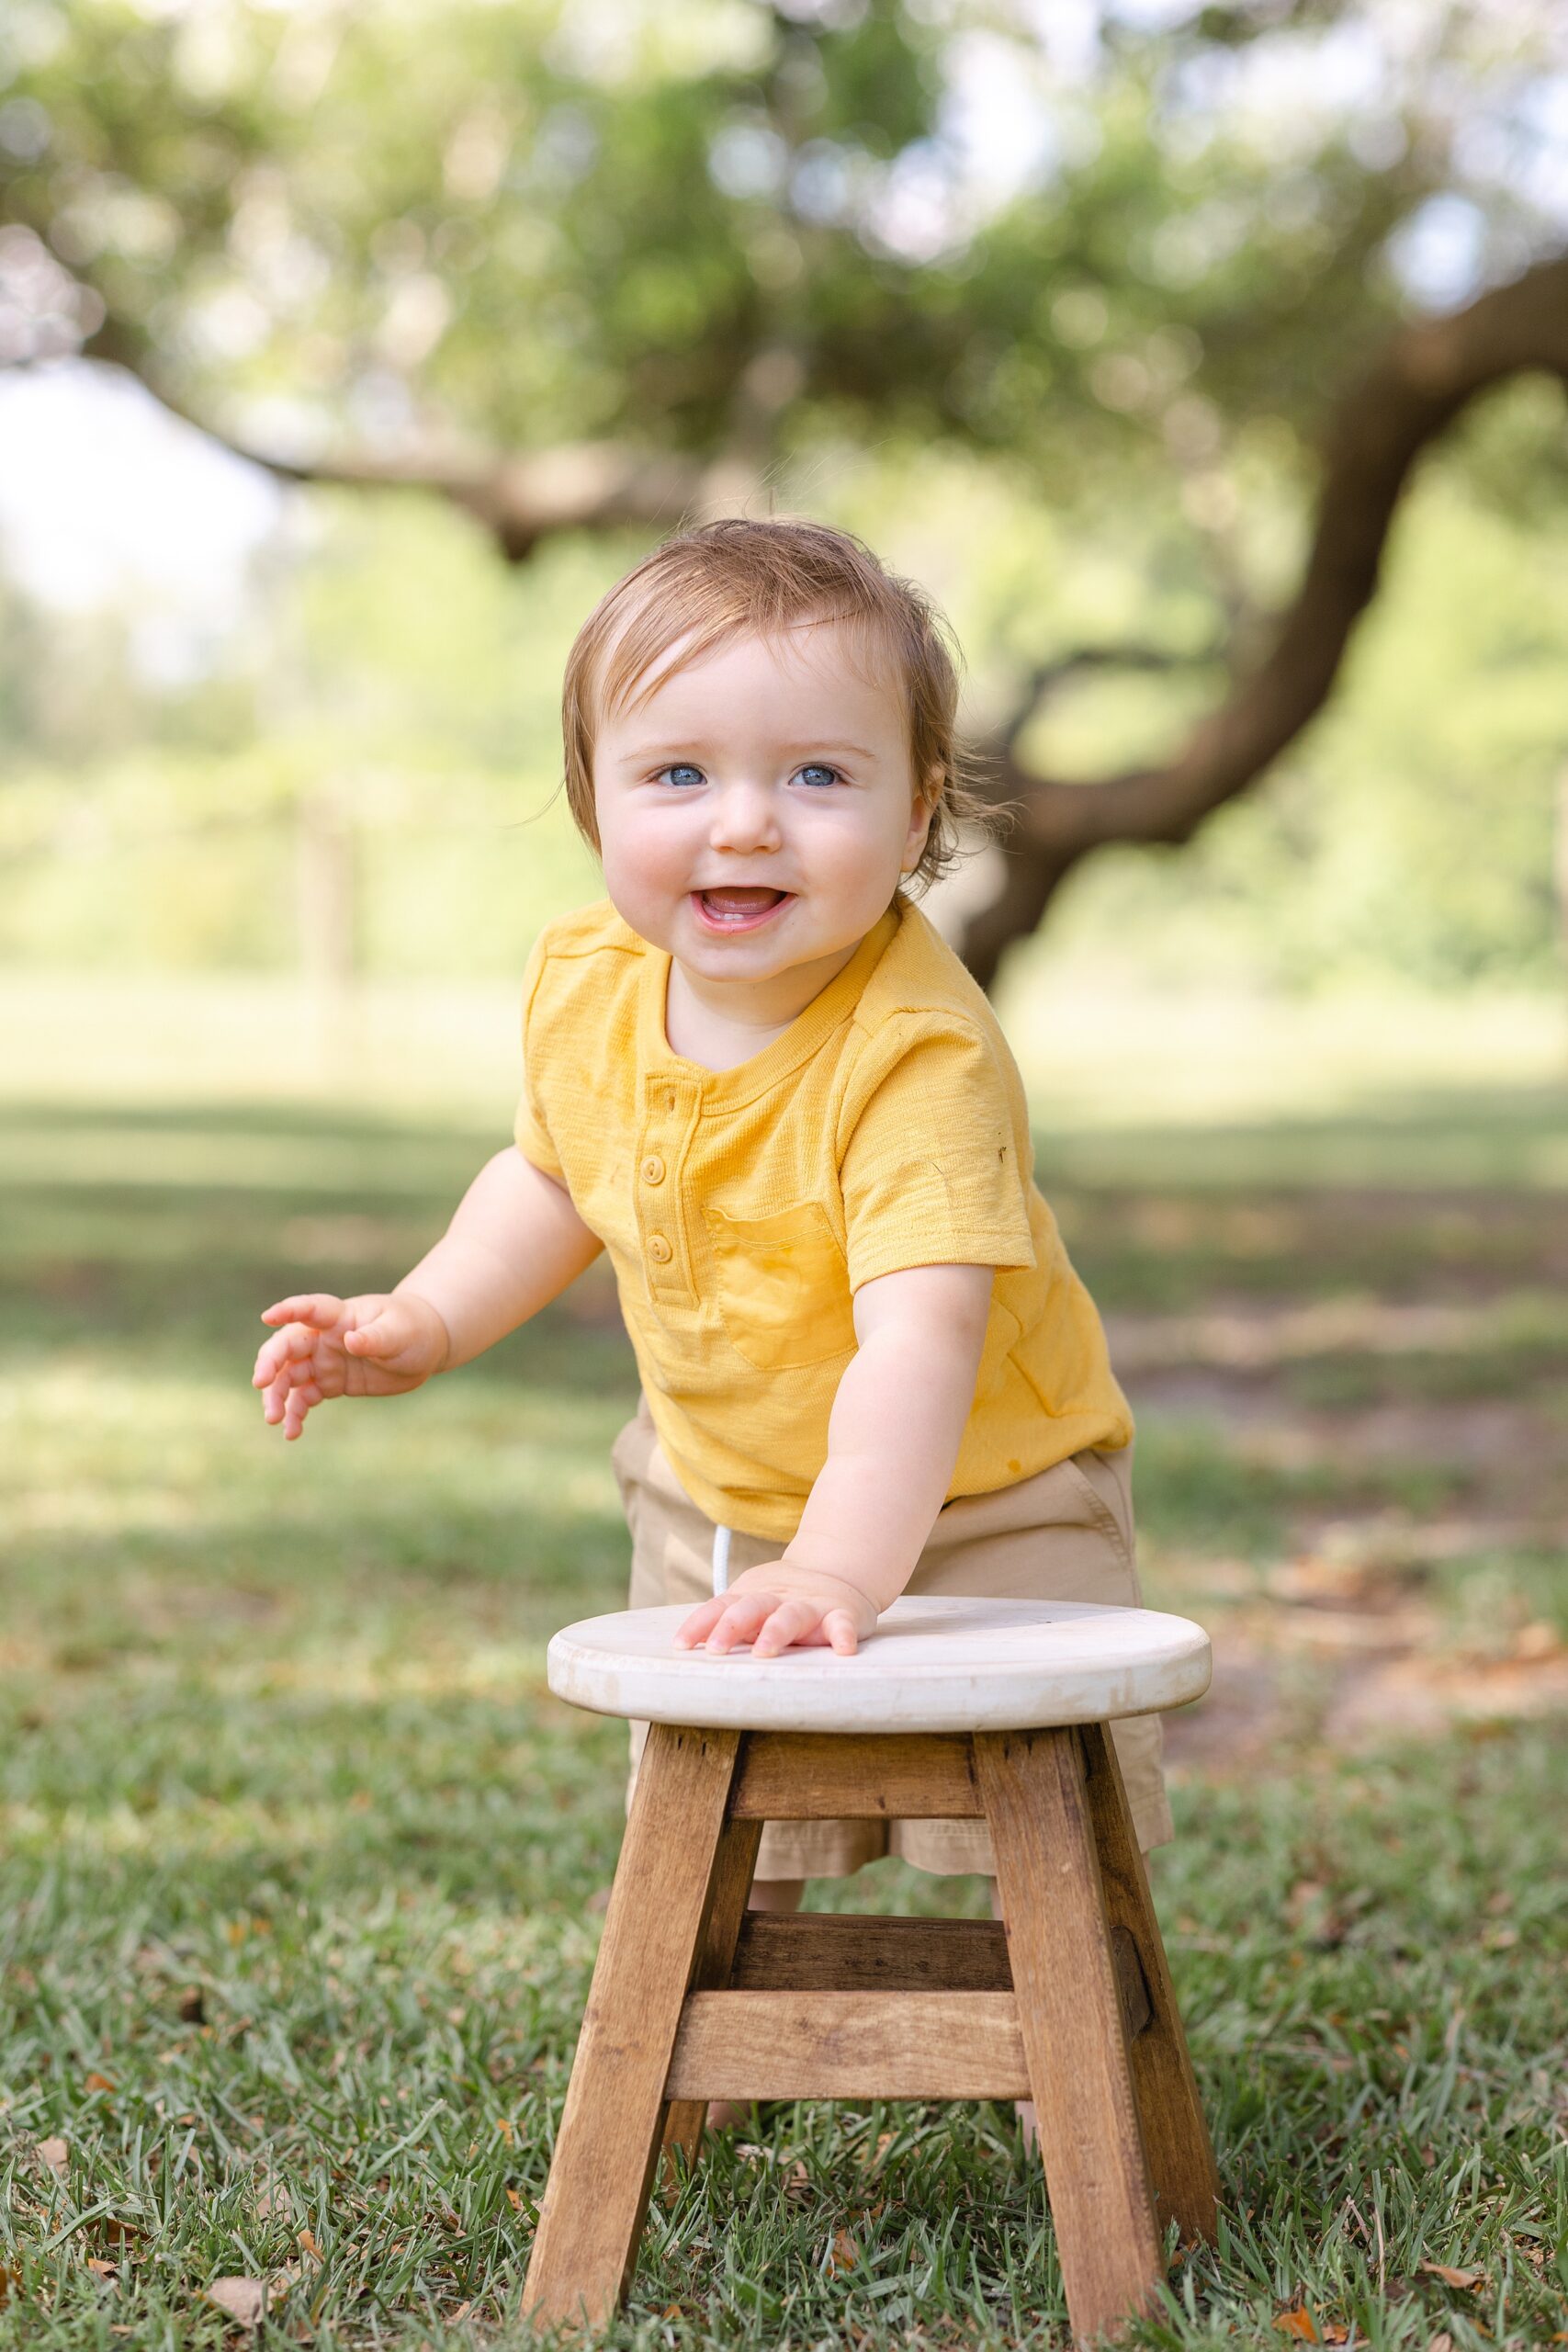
<point x="757" y="1076"/>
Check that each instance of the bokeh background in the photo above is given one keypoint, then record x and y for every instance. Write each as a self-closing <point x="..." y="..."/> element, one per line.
<point x="1207" y="364"/>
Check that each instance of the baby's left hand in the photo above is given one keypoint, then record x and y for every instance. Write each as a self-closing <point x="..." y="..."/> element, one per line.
<point x="775" y="1606"/>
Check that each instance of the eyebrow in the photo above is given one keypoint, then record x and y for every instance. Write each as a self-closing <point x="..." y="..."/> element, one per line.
<point x="639" y="753"/>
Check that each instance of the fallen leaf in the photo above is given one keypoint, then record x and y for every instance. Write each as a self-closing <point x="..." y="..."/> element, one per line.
<point x="1298" y="2321"/>
<point x="305" y="2241"/>
<point x="10" y="2281"/>
<point x="96" y="2082"/>
<point x="56" y="2154"/>
<point x="103" y="2269"/>
<point x="244" y="2300"/>
<point x="1443" y="2342"/>
<point x="514" y="2200"/>
<point x="673" y="2311"/>
<point x="1450" y="2277"/>
<point x="845" y="2253"/>
<point x="503" y="2125"/>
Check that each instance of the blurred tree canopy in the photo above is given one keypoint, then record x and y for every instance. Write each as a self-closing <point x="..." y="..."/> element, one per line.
<point x="596" y="265"/>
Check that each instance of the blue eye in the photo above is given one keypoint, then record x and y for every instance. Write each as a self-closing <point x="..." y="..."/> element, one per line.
<point x="817" y="773"/>
<point x="682" y="774"/>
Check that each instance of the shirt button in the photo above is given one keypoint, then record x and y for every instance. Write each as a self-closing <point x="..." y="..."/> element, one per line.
<point x="658" y="1250"/>
<point x="653" y="1170"/>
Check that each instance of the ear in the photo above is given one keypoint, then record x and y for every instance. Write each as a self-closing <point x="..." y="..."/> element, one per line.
<point x="922" y="810"/>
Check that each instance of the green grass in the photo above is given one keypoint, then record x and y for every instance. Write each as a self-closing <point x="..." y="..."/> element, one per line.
<point x="298" y="1851"/>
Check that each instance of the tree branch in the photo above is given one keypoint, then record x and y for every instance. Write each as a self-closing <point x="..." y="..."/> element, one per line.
<point x="520" y="500"/>
<point x="1426" y="375"/>
<point x="1060" y="669"/>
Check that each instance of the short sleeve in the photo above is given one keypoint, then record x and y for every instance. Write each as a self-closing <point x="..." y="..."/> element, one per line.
<point x="531" y="1129"/>
<point x="930" y="1172"/>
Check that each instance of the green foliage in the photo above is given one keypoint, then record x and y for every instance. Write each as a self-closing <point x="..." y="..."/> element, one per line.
<point x="1412" y="833"/>
<point x="409" y="685"/>
<point x="536" y="223"/>
<point x="1077" y="398"/>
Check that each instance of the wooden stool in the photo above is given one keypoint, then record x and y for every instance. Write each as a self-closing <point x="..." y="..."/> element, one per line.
<point x="953" y="1710"/>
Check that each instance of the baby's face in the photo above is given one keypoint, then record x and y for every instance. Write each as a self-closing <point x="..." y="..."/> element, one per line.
<point x="757" y="810"/>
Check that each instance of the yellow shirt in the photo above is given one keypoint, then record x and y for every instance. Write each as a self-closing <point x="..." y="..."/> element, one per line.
<point x="742" y="1208"/>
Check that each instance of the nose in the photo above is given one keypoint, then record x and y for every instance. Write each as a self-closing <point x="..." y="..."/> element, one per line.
<point x="744" y="816"/>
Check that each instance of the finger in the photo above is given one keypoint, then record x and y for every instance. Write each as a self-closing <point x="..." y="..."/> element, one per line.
<point x="300" y="1403"/>
<point x="274" y="1402"/>
<point x="275" y="1365"/>
<point x="317" y="1307"/>
<point x="296" y="1343"/>
<point x="839" y="1628"/>
<point x="273" y="1353"/>
<point x="379" y="1337"/>
<point x="789" y="1622"/>
<point x="741" y="1620"/>
<point x="692" y="1631"/>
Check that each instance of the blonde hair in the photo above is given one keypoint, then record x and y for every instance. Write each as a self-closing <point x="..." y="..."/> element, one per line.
<point x="756" y="579"/>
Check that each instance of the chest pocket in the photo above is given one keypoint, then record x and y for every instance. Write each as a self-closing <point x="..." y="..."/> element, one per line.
<point x="783" y="1287"/>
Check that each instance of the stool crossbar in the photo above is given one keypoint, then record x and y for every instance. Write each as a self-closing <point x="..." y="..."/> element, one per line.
<point x="1065" y="2000"/>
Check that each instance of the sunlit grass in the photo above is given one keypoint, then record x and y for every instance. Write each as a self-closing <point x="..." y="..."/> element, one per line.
<point x="298" y="1851"/>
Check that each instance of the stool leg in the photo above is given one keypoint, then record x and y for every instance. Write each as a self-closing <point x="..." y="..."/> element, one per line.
<point x="733" y="1873"/>
<point x="1070" y="2014"/>
<point x="608" y="2144"/>
<point x="1181" y="2160"/>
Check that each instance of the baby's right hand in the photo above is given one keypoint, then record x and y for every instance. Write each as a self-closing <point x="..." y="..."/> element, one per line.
<point x="379" y="1345"/>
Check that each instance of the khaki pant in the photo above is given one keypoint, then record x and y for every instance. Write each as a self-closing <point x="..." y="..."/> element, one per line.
<point x="1066" y="1534"/>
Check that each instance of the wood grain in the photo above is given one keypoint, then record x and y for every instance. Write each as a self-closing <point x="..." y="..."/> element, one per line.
<point x="877" y="1776"/>
<point x="609" y="2138"/>
<point x="848" y="2045"/>
<point x="1181" y="2159"/>
<point x="1070" y="2019"/>
<point x="686" y="2119"/>
<point x="823" y="1951"/>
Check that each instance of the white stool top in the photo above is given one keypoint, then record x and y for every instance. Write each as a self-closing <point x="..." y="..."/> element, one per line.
<point x="935" y="1663"/>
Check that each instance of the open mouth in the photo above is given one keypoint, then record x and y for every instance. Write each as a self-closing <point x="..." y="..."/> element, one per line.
<point x="738" y="909"/>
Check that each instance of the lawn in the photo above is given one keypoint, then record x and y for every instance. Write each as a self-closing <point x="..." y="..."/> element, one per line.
<point x="302" y="1864"/>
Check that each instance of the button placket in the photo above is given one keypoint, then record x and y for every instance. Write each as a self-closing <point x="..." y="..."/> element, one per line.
<point x="670" y="1109"/>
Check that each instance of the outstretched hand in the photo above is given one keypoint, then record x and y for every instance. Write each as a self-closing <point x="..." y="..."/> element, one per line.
<point x="380" y="1344"/>
<point x="780" y="1605"/>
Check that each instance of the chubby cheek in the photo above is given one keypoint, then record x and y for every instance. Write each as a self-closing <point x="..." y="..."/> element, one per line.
<point x="646" y="868"/>
<point x="858" y="880"/>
